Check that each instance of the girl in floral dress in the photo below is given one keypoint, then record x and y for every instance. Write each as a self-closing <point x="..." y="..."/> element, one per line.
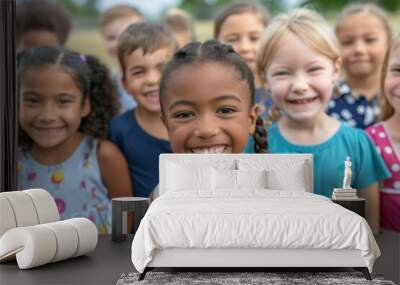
<point x="65" y="102"/>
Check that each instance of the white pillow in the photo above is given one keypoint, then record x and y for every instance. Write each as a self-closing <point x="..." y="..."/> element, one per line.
<point x="293" y="180"/>
<point x="223" y="179"/>
<point x="181" y="177"/>
<point x="282" y="174"/>
<point x="251" y="178"/>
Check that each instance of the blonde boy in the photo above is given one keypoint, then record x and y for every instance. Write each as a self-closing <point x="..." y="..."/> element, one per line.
<point x="143" y="50"/>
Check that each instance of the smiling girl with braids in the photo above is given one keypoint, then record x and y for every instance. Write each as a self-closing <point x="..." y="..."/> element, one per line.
<point x="207" y="101"/>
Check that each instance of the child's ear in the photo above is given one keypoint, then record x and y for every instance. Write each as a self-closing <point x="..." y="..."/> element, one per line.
<point x="86" y="108"/>
<point x="337" y="65"/>
<point x="253" y="119"/>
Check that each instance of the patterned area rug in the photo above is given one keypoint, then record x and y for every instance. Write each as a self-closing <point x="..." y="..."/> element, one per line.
<point x="270" y="278"/>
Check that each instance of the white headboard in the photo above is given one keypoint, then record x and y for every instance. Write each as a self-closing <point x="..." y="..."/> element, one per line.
<point x="231" y="161"/>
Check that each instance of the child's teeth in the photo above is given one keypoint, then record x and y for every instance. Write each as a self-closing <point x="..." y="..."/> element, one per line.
<point x="303" y="101"/>
<point x="214" y="149"/>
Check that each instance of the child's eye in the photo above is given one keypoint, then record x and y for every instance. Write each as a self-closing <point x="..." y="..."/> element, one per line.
<point x="64" y="101"/>
<point x="346" y="42"/>
<point x="315" y="69"/>
<point x="232" y="40"/>
<point x="254" y="39"/>
<point x="226" y="110"/>
<point x="370" y="40"/>
<point x="280" y="73"/>
<point x="182" y="115"/>
<point x="31" y="100"/>
<point x="137" y="73"/>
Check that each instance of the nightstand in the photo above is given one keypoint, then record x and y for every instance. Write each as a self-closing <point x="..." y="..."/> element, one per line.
<point x="120" y="208"/>
<point x="355" y="205"/>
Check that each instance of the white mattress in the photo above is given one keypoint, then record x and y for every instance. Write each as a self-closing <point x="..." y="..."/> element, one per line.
<point x="253" y="218"/>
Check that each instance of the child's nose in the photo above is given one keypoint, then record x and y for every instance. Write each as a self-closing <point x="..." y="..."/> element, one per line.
<point x="300" y="84"/>
<point x="206" y="128"/>
<point x="359" y="46"/>
<point x="245" y="44"/>
<point x="153" y="77"/>
<point x="47" y="113"/>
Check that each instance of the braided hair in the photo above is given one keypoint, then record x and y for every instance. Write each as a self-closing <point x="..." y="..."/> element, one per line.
<point x="91" y="77"/>
<point x="214" y="51"/>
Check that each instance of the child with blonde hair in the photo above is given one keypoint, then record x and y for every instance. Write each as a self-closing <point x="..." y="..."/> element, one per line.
<point x="65" y="104"/>
<point x="241" y="24"/>
<point x="299" y="62"/>
<point x="363" y="31"/>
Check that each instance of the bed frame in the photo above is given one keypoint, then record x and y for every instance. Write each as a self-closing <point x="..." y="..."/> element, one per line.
<point x="246" y="259"/>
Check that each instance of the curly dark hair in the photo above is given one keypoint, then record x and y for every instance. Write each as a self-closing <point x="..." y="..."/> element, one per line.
<point x="90" y="76"/>
<point x="43" y="15"/>
<point x="214" y="51"/>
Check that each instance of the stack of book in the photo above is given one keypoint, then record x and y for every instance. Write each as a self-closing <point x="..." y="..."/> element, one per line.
<point x="344" y="194"/>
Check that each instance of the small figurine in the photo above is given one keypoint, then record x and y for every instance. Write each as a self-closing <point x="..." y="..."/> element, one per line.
<point x="347" y="174"/>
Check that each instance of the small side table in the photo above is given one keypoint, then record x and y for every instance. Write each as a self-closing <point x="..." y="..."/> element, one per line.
<point x="120" y="208"/>
<point x="355" y="205"/>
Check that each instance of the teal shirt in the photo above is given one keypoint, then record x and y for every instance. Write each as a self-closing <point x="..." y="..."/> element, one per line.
<point x="329" y="156"/>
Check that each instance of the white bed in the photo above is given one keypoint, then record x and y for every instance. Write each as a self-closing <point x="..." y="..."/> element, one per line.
<point x="202" y="219"/>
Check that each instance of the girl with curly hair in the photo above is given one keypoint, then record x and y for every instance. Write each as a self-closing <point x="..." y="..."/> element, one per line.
<point x="65" y="103"/>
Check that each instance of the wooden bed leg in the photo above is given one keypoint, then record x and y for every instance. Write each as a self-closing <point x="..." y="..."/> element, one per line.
<point x="143" y="274"/>
<point x="364" y="271"/>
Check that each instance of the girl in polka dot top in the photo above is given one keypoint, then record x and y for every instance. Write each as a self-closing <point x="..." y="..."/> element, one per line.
<point x="363" y="32"/>
<point x="386" y="136"/>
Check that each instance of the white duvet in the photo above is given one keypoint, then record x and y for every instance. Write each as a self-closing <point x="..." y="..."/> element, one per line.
<point x="253" y="218"/>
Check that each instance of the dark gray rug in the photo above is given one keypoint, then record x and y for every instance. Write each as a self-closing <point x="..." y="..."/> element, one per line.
<point x="270" y="278"/>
